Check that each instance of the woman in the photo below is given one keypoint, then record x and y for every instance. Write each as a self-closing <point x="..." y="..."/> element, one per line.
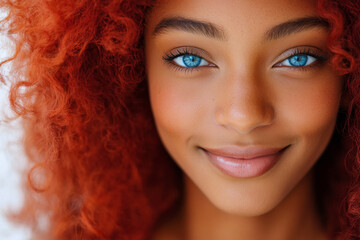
<point x="189" y="119"/>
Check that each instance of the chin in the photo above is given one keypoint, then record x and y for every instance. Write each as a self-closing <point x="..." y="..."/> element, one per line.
<point x="245" y="207"/>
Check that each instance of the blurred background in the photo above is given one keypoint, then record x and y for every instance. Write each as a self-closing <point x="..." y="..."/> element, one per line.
<point x="12" y="159"/>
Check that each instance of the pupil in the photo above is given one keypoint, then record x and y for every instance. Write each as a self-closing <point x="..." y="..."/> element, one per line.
<point x="299" y="60"/>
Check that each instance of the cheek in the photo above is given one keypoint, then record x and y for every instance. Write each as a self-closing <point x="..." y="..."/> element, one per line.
<point x="176" y="106"/>
<point x="309" y="115"/>
<point x="311" y="110"/>
<point x="170" y="112"/>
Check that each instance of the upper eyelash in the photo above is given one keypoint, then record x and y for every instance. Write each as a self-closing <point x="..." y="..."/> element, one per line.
<point x="179" y="52"/>
<point x="307" y="51"/>
<point x="169" y="57"/>
<point x="320" y="58"/>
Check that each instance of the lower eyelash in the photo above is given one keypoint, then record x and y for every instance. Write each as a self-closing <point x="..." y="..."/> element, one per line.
<point x="184" y="69"/>
<point x="320" y="59"/>
<point x="169" y="57"/>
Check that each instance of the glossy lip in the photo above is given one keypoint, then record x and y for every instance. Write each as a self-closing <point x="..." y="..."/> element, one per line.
<point x="244" y="162"/>
<point x="244" y="152"/>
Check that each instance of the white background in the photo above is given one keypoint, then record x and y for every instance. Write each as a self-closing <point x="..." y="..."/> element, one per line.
<point x="12" y="160"/>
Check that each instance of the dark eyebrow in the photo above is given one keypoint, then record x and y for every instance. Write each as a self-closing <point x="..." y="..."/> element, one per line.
<point x="211" y="30"/>
<point x="189" y="25"/>
<point x="294" y="26"/>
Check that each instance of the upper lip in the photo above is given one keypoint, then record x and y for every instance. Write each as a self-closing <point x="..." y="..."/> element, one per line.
<point x="248" y="152"/>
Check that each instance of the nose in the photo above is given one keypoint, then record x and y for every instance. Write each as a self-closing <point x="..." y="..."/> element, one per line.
<point x="243" y="104"/>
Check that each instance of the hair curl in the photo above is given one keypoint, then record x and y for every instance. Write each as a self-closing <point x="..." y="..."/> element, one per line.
<point x="88" y="124"/>
<point x="99" y="170"/>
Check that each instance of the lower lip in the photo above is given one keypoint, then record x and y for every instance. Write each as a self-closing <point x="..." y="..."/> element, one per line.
<point x="241" y="168"/>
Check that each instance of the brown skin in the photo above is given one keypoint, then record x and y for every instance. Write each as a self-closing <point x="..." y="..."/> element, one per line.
<point x="243" y="96"/>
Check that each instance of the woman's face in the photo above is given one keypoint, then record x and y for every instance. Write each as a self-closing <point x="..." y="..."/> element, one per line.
<point x="242" y="94"/>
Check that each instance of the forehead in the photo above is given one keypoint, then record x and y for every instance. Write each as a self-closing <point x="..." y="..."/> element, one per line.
<point x="238" y="15"/>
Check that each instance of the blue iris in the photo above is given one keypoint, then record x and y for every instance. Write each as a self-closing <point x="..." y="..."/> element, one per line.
<point x="298" y="60"/>
<point x="191" y="60"/>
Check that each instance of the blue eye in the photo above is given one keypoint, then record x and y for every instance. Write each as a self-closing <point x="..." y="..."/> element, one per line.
<point x="299" y="60"/>
<point x="190" y="60"/>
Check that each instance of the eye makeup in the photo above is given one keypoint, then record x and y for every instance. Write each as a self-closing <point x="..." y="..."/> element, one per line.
<point x="303" y="52"/>
<point x="183" y="52"/>
<point x="319" y="56"/>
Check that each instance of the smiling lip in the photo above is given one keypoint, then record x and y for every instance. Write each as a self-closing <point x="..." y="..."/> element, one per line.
<point x="244" y="162"/>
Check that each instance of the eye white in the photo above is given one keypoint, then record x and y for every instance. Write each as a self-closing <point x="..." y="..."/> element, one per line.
<point x="287" y="62"/>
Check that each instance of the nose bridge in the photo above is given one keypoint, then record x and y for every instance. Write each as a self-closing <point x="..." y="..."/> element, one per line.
<point x="243" y="103"/>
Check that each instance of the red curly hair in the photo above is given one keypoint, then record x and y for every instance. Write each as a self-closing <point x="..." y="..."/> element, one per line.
<point x="98" y="168"/>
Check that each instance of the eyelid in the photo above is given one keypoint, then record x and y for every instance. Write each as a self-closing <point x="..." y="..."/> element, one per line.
<point x="315" y="52"/>
<point x="182" y="51"/>
<point x="320" y="55"/>
<point x="192" y="50"/>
